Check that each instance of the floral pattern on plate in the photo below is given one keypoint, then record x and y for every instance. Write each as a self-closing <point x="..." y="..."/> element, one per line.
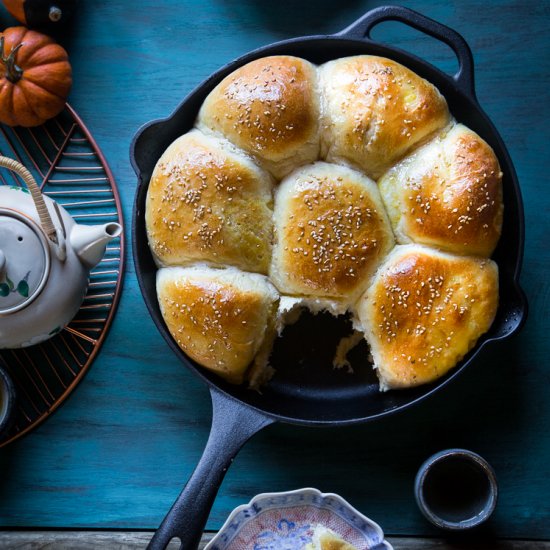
<point x="287" y="536"/>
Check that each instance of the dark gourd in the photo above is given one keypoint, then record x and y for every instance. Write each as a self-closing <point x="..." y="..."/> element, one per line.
<point x="45" y="15"/>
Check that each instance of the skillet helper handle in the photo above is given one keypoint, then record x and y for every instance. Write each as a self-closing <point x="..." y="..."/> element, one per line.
<point x="232" y="425"/>
<point x="464" y="77"/>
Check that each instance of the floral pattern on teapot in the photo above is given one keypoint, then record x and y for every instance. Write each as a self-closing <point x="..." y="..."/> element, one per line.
<point x="7" y="287"/>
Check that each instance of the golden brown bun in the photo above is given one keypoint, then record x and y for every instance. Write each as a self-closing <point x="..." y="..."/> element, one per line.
<point x="270" y="108"/>
<point x="323" y="235"/>
<point x="331" y="232"/>
<point x="208" y="202"/>
<point x="375" y="111"/>
<point x="447" y="194"/>
<point x="424" y="311"/>
<point x="218" y="317"/>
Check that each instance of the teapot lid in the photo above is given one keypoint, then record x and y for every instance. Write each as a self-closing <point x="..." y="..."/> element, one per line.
<point x="24" y="261"/>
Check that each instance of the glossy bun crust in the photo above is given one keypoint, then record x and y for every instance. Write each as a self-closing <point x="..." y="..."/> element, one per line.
<point x="447" y="194"/>
<point x="375" y="111"/>
<point x="218" y="317"/>
<point x="277" y="179"/>
<point x="424" y="311"/>
<point x="331" y="232"/>
<point x="269" y="108"/>
<point x="209" y="202"/>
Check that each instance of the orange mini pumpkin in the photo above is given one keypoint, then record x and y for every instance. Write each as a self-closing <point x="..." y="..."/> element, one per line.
<point x="35" y="77"/>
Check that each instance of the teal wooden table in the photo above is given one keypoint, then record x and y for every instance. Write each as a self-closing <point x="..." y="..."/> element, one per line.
<point x="119" y="450"/>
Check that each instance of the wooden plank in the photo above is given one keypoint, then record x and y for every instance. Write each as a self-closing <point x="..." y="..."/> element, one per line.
<point x="86" y="540"/>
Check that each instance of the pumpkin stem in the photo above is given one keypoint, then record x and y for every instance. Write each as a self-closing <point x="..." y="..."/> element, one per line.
<point x="13" y="71"/>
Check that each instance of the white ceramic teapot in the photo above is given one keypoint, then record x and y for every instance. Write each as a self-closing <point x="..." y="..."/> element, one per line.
<point x="45" y="262"/>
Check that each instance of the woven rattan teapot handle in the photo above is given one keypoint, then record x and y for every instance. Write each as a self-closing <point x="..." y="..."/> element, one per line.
<point x="36" y="194"/>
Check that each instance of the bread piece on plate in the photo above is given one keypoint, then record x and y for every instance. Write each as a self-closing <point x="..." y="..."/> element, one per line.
<point x="425" y="310"/>
<point x="331" y="233"/>
<point x="218" y="317"/>
<point x="207" y="201"/>
<point x="448" y="194"/>
<point x="326" y="539"/>
<point x="270" y="108"/>
<point x="375" y="111"/>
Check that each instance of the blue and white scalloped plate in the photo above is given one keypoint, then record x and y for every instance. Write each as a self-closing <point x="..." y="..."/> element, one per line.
<point x="286" y="521"/>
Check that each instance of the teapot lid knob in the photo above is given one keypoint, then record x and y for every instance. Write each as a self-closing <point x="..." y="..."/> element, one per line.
<point x="24" y="261"/>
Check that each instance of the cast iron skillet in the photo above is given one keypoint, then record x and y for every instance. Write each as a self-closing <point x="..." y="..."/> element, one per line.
<point x="306" y="390"/>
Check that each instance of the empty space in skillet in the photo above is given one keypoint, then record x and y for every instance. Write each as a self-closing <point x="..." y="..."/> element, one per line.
<point x="305" y="388"/>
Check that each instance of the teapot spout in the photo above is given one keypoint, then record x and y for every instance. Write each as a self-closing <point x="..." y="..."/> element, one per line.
<point x="89" y="241"/>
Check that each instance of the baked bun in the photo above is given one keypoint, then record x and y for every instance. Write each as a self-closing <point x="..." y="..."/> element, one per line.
<point x="218" y="317"/>
<point x="217" y="223"/>
<point x="209" y="202"/>
<point x="331" y="232"/>
<point x="425" y="310"/>
<point x="375" y="111"/>
<point x="447" y="194"/>
<point x="269" y="108"/>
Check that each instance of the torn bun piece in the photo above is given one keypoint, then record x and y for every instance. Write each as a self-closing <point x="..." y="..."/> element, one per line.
<point x="447" y="194"/>
<point x="326" y="539"/>
<point x="218" y="317"/>
<point x="375" y="111"/>
<point x="331" y="233"/>
<point x="207" y="201"/>
<point x="424" y="311"/>
<point x="270" y="108"/>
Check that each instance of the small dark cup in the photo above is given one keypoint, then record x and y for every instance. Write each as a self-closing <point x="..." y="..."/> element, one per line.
<point x="7" y="402"/>
<point x="456" y="489"/>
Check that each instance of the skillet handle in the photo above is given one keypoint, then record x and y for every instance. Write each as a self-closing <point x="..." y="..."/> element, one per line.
<point x="362" y="28"/>
<point x="232" y="425"/>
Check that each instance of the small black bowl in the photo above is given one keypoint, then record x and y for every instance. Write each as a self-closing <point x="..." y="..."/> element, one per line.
<point x="456" y="489"/>
<point x="7" y="402"/>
